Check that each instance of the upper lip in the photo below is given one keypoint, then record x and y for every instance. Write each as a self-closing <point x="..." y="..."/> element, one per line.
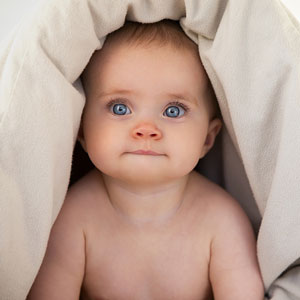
<point x="145" y="152"/>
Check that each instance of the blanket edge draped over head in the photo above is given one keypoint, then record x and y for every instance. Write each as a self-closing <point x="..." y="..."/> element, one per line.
<point x="250" y="49"/>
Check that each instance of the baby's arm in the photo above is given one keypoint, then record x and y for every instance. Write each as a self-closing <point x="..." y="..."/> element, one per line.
<point x="62" y="270"/>
<point x="234" y="270"/>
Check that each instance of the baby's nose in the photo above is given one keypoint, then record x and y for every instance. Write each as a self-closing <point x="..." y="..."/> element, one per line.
<point x="147" y="131"/>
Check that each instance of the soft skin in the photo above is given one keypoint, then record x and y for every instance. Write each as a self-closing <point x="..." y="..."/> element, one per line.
<point x="142" y="226"/>
<point x="147" y="81"/>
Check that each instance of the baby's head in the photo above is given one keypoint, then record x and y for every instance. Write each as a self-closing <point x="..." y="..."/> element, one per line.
<point x="151" y="112"/>
<point x="166" y="33"/>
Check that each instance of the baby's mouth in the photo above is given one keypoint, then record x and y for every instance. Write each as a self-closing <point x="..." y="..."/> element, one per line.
<point x="146" y="152"/>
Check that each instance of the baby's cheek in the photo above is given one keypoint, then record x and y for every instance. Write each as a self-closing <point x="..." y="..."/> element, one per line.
<point x="185" y="157"/>
<point x="106" y="152"/>
<point x="190" y="140"/>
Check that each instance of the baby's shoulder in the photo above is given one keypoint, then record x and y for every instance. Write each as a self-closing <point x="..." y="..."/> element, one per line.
<point x="218" y="204"/>
<point x="86" y="196"/>
<point x="87" y="186"/>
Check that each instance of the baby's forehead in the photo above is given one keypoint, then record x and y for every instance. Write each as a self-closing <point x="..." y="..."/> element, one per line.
<point x="111" y="50"/>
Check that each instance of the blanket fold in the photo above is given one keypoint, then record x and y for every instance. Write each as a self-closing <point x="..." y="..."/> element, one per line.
<point x="250" y="50"/>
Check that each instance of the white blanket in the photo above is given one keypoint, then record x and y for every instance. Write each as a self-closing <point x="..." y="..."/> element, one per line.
<point x="251" y="51"/>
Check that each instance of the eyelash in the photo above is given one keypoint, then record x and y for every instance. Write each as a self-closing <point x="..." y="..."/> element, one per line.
<point x="114" y="101"/>
<point x="121" y="101"/>
<point x="177" y="103"/>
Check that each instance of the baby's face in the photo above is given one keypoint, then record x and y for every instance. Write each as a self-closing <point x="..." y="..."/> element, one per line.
<point x="145" y="118"/>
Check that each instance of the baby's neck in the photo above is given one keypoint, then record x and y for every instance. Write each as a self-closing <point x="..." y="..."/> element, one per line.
<point x="146" y="205"/>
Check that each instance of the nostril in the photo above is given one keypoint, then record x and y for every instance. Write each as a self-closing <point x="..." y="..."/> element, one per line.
<point x="146" y="133"/>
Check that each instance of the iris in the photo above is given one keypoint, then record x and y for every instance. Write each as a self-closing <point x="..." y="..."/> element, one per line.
<point x="174" y="111"/>
<point x="120" y="109"/>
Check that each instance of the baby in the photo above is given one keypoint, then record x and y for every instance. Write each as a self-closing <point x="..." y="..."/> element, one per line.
<point x="142" y="224"/>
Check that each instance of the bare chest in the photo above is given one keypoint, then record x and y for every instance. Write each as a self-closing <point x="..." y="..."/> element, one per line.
<point x="158" y="266"/>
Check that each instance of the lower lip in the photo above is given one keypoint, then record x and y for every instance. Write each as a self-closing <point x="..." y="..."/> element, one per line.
<point x="141" y="152"/>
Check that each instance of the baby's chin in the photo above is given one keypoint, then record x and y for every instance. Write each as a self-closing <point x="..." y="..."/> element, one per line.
<point x="146" y="171"/>
<point x="146" y="177"/>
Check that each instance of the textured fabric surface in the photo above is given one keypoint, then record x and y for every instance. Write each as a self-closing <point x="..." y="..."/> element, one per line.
<point x="250" y="49"/>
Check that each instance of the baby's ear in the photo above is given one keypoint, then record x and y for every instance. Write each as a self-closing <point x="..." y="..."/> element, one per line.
<point x="213" y="129"/>
<point x="80" y="137"/>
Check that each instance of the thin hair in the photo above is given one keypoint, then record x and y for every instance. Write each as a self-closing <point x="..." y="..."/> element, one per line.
<point x="162" y="33"/>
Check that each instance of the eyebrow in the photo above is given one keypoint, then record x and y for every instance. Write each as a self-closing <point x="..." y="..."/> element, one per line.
<point x="182" y="96"/>
<point x="116" y="91"/>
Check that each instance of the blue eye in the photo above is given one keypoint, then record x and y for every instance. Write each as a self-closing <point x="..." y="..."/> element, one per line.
<point x="120" y="109"/>
<point x="174" y="111"/>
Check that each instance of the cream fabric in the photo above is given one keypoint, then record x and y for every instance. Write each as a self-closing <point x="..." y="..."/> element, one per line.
<point x="250" y="49"/>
